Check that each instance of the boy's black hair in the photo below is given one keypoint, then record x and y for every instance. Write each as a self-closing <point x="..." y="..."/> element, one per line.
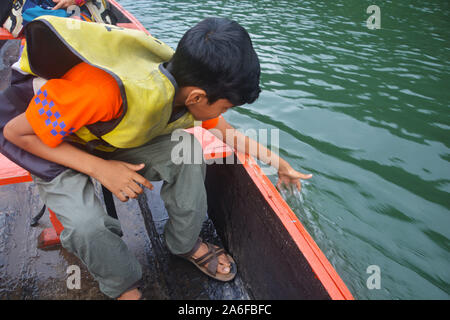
<point x="217" y="55"/>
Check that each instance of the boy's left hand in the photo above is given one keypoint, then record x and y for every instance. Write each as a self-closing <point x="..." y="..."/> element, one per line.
<point x="288" y="176"/>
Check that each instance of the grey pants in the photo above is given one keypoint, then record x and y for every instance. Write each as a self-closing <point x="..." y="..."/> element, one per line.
<point x="95" y="238"/>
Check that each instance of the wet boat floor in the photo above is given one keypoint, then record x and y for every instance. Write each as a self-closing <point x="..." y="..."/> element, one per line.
<point x="27" y="272"/>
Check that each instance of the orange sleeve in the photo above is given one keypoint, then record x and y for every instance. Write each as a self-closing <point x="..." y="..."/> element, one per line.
<point x="83" y="96"/>
<point x="211" y="123"/>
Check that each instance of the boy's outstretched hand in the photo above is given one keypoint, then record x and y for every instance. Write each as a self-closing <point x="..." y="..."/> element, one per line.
<point x="288" y="176"/>
<point x="122" y="179"/>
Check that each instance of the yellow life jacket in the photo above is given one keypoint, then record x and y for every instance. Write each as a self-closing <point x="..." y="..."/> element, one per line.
<point x="133" y="58"/>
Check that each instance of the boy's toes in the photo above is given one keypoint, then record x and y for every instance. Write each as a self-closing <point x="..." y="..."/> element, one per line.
<point x="225" y="269"/>
<point x="224" y="265"/>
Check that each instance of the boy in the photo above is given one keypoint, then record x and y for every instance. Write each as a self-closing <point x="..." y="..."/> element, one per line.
<point x="123" y="115"/>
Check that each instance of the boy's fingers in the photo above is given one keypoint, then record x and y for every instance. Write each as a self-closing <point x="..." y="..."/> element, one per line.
<point x="281" y="185"/>
<point x="148" y="185"/>
<point x="134" y="167"/>
<point x="278" y="185"/>
<point x="306" y="176"/>
<point x="143" y="181"/>
<point x="130" y="193"/>
<point x="120" y="195"/>
<point x="136" y="188"/>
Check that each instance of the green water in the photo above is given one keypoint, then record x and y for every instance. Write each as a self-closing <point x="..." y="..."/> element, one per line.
<point x="365" y="111"/>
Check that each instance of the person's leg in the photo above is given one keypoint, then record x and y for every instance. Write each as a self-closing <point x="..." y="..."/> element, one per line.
<point x="89" y="233"/>
<point x="183" y="190"/>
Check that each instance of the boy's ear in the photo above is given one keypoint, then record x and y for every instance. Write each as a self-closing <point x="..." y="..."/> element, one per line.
<point x="196" y="95"/>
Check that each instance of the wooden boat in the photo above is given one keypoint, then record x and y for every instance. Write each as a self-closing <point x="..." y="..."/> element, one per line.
<point x="276" y="257"/>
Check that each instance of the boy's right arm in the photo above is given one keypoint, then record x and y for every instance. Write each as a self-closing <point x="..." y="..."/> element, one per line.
<point x="119" y="177"/>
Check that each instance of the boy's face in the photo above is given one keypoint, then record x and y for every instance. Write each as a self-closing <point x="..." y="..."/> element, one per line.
<point x="198" y="105"/>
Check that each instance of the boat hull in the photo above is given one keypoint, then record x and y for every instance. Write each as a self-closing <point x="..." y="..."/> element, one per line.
<point x="276" y="257"/>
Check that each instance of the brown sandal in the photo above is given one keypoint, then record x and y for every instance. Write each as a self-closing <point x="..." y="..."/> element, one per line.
<point x="211" y="257"/>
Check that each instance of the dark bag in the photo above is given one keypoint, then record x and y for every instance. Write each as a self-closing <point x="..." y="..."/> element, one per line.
<point x="5" y="10"/>
<point x="14" y="101"/>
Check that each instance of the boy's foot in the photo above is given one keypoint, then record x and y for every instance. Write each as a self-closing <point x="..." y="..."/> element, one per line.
<point x="213" y="261"/>
<point x="133" y="294"/>
<point x="223" y="267"/>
